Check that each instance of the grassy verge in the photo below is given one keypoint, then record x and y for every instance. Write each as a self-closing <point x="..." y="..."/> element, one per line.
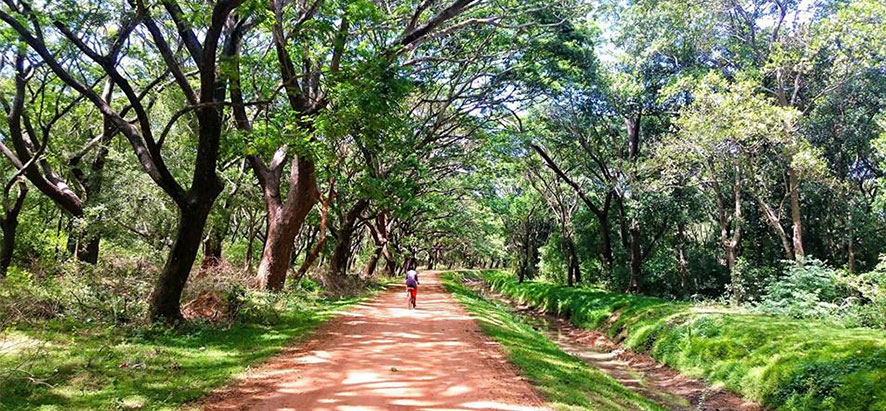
<point x="63" y="366"/>
<point x="567" y="382"/>
<point x="782" y="363"/>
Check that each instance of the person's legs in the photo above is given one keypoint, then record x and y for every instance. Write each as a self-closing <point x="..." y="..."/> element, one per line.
<point x="414" y="291"/>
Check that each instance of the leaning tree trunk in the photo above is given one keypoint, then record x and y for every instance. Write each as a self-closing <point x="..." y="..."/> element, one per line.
<point x="315" y="250"/>
<point x="165" y="300"/>
<point x="285" y="218"/>
<point x="775" y="222"/>
<point x="278" y="249"/>
<point x="372" y="263"/>
<point x="338" y="264"/>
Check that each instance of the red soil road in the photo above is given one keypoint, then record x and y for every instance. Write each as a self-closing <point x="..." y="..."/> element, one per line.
<point x="383" y="356"/>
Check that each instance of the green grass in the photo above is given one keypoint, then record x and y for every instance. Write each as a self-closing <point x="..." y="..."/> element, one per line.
<point x="779" y="362"/>
<point x="567" y="382"/>
<point x="64" y="367"/>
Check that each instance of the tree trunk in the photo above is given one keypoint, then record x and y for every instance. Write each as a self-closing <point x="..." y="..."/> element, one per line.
<point x="165" y="299"/>
<point x="314" y="251"/>
<point x="277" y="250"/>
<point x="636" y="257"/>
<point x="338" y="264"/>
<point x="247" y="259"/>
<point x="573" y="272"/>
<point x="775" y="222"/>
<point x="850" y="246"/>
<point x="372" y="263"/>
<point x="212" y="248"/>
<point x="9" y="225"/>
<point x="285" y="218"/>
<point x="576" y="263"/>
<point x="682" y="262"/>
<point x="794" y="184"/>
<point x="390" y="264"/>
<point x="606" y="246"/>
<point x="88" y="253"/>
<point x="83" y="248"/>
<point x="212" y="243"/>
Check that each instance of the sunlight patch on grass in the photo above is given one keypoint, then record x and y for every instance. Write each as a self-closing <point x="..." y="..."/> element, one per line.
<point x="74" y="368"/>
<point x="568" y="383"/>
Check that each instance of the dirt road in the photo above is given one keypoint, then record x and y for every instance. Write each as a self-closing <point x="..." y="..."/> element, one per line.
<point x="383" y="356"/>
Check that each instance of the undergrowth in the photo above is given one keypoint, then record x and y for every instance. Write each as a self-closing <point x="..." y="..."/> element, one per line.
<point x="79" y="340"/>
<point x="780" y="362"/>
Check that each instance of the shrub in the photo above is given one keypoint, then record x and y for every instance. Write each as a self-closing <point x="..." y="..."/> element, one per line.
<point x="752" y="281"/>
<point x="870" y="308"/>
<point x="809" y="289"/>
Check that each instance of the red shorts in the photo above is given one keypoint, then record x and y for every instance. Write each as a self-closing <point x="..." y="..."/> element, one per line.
<point x="413" y="291"/>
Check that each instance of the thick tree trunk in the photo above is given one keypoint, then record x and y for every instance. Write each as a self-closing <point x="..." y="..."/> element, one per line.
<point x="285" y="218"/>
<point x="165" y="299"/>
<point x="283" y="226"/>
<point x="278" y="249"/>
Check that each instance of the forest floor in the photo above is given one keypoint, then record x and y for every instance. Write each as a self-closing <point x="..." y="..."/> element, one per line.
<point x="383" y="356"/>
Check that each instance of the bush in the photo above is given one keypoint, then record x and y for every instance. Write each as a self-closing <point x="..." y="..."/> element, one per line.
<point x="752" y="281"/>
<point x="809" y="289"/>
<point x="870" y="308"/>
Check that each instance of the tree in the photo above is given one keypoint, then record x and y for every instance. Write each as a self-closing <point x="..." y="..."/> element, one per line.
<point x="194" y="203"/>
<point x="564" y="206"/>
